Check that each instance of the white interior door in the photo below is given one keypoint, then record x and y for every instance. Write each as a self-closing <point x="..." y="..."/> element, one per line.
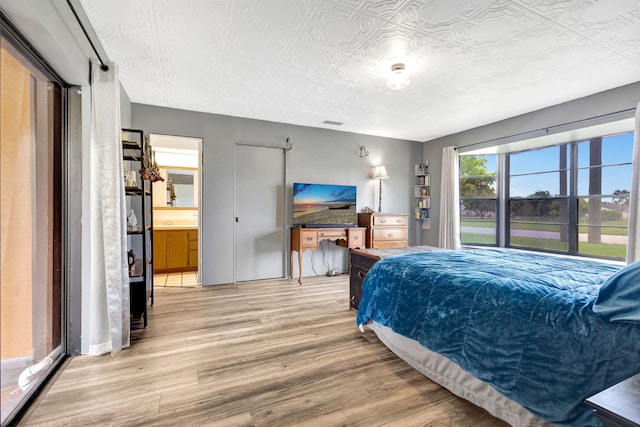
<point x="260" y="217"/>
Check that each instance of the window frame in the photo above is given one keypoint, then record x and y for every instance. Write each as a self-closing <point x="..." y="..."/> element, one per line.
<point x="574" y="222"/>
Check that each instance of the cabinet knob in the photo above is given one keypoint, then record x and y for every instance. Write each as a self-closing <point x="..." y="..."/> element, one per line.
<point x="383" y="220"/>
<point x="309" y="239"/>
<point x="361" y="274"/>
<point x="355" y="237"/>
<point x="398" y="220"/>
<point x="390" y="235"/>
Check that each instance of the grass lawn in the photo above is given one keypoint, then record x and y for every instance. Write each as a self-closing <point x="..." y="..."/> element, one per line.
<point x="474" y="238"/>
<point x="612" y="228"/>
<point x="610" y="250"/>
<point x="600" y="249"/>
<point x="478" y="223"/>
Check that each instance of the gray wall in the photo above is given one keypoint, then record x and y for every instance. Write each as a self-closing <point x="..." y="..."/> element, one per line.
<point x="573" y="113"/>
<point x="318" y="155"/>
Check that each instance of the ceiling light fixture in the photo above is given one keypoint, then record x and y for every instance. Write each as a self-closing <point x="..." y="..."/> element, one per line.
<point x="399" y="79"/>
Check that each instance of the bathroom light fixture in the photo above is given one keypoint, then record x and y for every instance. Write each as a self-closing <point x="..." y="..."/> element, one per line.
<point x="399" y="79"/>
<point x="379" y="173"/>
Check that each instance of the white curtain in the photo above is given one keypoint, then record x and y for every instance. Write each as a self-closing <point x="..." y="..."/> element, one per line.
<point x="449" y="234"/>
<point x="109" y="288"/>
<point x="633" y="247"/>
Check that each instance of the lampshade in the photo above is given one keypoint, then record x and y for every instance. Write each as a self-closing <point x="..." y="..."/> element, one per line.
<point x="399" y="79"/>
<point x="379" y="172"/>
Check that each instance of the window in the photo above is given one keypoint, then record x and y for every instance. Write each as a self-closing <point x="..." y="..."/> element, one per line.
<point x="478" y="207"/>
<point x="31" y="215"/>
<point x="539" y="188"/>
<point x="603" y="182"/>
<point x="568" y="198"/>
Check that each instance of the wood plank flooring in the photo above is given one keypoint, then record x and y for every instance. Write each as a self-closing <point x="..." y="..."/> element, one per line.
<point x="265" y="353"/>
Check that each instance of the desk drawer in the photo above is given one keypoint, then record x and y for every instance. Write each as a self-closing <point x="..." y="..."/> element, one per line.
<point x="388" y="233"/>
<point x="390" y="220"/>
<point x="333" y="234"/>
<point x="356" y="238"/>
<point x="309" y="239"/>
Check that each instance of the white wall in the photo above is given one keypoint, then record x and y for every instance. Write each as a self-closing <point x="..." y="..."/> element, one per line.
<point x="318" y="156"/>
<point x="535" y="124"/>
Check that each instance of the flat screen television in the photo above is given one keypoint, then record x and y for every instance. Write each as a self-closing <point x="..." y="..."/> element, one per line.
<point x="324" y="205"/>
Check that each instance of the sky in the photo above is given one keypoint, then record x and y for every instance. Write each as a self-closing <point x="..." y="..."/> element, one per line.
<point x="616" y="150"/>
<point x="320" y="193"/>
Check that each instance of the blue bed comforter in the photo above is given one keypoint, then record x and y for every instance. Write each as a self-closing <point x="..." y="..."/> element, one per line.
<point x="521" y="322"/>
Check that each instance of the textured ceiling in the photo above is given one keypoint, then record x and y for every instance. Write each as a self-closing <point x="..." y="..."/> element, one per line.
<point x="471" y="62"/>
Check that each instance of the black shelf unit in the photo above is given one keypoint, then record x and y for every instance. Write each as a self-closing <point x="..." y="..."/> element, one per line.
<point x="139" y="238"/>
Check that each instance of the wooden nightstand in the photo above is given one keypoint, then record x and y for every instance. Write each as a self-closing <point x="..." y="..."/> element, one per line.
<point x="385" y="230"/>
<point x="619" y="405"/>
<point x="361" y="260"/>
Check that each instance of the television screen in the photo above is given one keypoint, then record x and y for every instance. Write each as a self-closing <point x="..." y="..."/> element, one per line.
<point x="317" y="205"/>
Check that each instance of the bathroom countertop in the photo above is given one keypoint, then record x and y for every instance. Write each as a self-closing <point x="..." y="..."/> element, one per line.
<point x="162" y="227"/>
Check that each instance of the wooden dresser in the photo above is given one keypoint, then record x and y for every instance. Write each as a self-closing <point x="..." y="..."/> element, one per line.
<point x="361" y="260"/>
<point x="385" y="230"/>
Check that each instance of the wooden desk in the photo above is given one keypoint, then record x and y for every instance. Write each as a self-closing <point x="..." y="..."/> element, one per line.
<point x="310" y="238"/>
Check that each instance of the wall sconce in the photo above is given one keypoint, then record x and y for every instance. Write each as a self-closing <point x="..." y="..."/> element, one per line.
<point x="379" y="173"/>
<point x="363" y="151"/>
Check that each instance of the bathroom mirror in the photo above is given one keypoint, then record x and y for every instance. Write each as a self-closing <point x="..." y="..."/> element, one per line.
<point x="178" y="190"/>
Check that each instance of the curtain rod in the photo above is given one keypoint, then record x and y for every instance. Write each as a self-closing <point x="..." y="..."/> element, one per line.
<point x="547" y="129"/>
<point x="103" y="65"/>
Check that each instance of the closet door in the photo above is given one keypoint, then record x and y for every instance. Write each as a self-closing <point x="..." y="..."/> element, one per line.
<point x="260" y="213"/>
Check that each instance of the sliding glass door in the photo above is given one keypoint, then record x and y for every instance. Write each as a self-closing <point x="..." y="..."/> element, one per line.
<point x="31" y="246"/>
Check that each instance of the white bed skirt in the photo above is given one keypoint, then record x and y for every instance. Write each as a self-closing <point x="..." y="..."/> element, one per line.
<point x="449" y="375"/>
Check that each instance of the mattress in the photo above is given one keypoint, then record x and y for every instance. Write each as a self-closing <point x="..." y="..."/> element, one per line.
<point x="441" y="370"/>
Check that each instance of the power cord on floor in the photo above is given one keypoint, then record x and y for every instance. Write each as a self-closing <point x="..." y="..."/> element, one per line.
<point x="323" y="247"/>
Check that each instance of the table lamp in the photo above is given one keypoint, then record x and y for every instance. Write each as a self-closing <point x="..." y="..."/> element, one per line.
<point x="379" y="173"/>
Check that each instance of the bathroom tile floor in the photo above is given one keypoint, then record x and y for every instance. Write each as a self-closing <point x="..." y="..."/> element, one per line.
<point x="185" y="279"/>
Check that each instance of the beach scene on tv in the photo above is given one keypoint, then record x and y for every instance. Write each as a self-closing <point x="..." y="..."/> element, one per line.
<point x="318" y="204"/>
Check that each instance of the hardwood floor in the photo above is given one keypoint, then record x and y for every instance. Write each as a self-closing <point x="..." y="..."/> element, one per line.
<point x="267" y="353"/>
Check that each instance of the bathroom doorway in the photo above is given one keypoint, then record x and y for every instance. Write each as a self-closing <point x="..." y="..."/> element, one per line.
<point x="176" y="211"/>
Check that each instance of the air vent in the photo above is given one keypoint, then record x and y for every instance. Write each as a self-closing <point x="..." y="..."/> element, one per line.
<point x="331" y="122"/>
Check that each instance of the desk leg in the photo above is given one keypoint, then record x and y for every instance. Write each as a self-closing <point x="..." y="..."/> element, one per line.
<point x="291" y="264"/>
<point x="300" y="267"/>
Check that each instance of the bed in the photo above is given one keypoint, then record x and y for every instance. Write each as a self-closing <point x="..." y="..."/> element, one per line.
<point x="526" y="336"/>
